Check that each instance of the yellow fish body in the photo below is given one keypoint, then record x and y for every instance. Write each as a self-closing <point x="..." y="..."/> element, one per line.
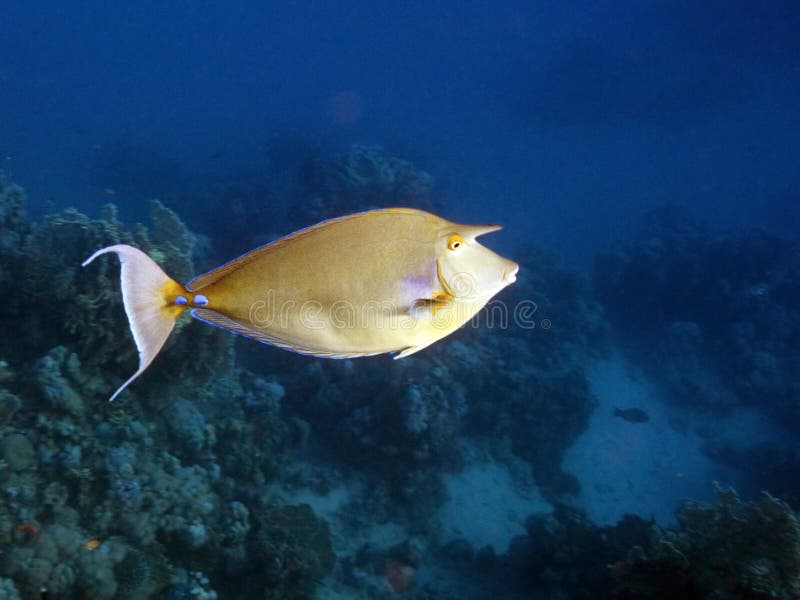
<point x="392" y="280"/>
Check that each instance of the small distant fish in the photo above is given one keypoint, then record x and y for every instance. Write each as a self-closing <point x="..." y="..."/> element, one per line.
<point x="398" y="576"/>
<point x="632" y="415"/>
<point x="92" y="544"/>
<point x="760" y="289"/>
<point x="30" y="529"/>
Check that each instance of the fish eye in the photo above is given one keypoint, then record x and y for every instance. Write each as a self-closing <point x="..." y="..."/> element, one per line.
<point x="455" y="242"/>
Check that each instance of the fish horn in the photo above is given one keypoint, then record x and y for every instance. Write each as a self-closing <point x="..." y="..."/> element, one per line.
<point x="152" y="302"/>
<point x="473" y="231"/>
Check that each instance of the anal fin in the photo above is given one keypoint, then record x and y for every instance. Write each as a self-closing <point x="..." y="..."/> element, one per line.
<point x="411" y="350"/>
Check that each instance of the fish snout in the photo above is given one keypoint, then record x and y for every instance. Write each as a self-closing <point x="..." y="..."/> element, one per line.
<point x="510" y="273"/>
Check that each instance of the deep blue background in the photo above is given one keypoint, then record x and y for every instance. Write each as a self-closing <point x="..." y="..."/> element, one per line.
<point x="564" y="120"/>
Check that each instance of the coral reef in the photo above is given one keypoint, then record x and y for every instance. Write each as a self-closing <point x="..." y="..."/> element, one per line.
<point x="57" y="303"/>
<point x="397" y="423"/>
<point x="191" y="585"/>
<point x="729" y="550"/>
<point x="8" y="591"/>
<point x="16" y="452"/>
<point x="127" y="500"/>
<point x="292" y="550"/>
<point x="57" y="375"/>
<point x="297" y="184"/>
<point x="55" y="560"/>
<point x="527" y="378"/>
<point x="165" y="492"/>
<point x="563" y="554"/>
<point x="361" y="177"/>
<point x="116" y="477"/>
<point x="9" y="405"/>
<point x="771" y="466"/>
<point x="521" y="391"/>
<point x="13" y="228"/>
<point x="215" y="478"/>
<point x="722" y="305"/>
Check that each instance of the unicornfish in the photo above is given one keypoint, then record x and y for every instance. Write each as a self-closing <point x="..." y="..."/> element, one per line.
<point x="390" y="280"/>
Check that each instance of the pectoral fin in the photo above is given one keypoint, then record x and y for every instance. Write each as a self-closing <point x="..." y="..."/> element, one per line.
<point x="426" y="308"/>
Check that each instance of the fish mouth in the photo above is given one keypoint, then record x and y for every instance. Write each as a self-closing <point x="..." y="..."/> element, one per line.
<point x="510" y="274"/>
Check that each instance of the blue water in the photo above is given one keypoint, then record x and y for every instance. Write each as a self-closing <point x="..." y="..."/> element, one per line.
<point x="643" y="159"/>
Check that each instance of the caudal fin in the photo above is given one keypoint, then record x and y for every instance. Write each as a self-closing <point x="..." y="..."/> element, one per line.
<point x="151" y="299"/>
